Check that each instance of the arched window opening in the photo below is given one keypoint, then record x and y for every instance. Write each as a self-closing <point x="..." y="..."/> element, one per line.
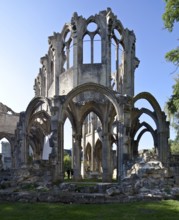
<point x="114" y="160"/>
<point x="5" y="154"/>
<point x="117" y="56"/>
<point x="92" y="26"/>
<point x="97" y="49"/>
<point x="68" y="36"/>
<point x="146" y="142"/>
<point x="46" y="148"/>
<point x="144" y="138"/>
<point x="68" y="165"/>
<point x="117" y="35"/>
<point x="92" y="146"/>
<point x="71" y="54"/>
<point x="113" y="65"/>
<point x="67" y="52"/>
<point x="86" y="49"/>
<point x="64" y="59"/>
<point x="68" y="135"/>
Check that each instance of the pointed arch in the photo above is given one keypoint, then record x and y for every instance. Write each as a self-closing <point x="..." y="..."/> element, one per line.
<point x="97" y="49"/>
<point x="87" y="49"/>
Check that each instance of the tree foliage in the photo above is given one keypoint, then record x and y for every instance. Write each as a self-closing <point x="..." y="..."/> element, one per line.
<point x="173" y="112"/>
<point x="171" y="14"/>
<point x="67" y="162"/>
<point x="173" y="56"/>
<point x="170" y="18"/>
<point x="173" y="102"/>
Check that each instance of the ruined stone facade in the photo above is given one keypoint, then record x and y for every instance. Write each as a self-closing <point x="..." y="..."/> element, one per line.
<point x="87" y="76"/>
<point x="8" y="123"/>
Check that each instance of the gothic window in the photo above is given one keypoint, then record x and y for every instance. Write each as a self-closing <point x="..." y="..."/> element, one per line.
<point x="113" y="64"/>
<point x="97" y="48"/>
<point x="92" y="45"/>
<point x="67" y="51"/>
<point x="51" y="74"/>
<point x="116" y="59"/>
<point x="86" y="49"/>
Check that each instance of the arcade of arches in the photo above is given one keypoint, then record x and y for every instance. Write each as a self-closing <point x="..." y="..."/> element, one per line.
<point x="82" y="83"/>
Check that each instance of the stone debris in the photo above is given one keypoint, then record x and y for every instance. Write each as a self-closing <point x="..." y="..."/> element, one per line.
<point x="146" y="180"/>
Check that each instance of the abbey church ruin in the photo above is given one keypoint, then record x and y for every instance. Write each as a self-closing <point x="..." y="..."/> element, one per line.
<point x="87" y="77"/>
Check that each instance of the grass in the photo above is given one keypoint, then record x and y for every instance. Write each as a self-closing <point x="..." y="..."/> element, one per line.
<point x="163" y="210"/>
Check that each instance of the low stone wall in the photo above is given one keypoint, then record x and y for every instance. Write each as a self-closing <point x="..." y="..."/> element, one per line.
<point x="76" y="197"/>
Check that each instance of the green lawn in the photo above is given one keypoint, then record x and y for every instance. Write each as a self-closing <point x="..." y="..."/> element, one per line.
<point x="164" y="210"/>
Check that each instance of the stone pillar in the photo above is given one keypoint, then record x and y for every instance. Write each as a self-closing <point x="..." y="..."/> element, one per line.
<point x="12" y="144"/>
<point x="92" y="144"/>
<point x="60" y="162"/>
<point x="163" y="135"/>
<point x="24" y="148"/>
<point x="83" y="147"/>
<point x="56" y="156"/>
<point x="77" y="157"/>
<point x="163" y="148"/>
<point x="106" y="158"/>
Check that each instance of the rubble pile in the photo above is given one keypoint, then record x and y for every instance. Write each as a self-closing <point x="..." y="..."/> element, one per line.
<point x="147" y="179"/>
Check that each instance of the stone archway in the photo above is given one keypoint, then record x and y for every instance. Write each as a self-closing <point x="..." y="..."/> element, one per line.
<point x="147" y="128"/>
<point x="136" y="125"/>
<point x="63" y="104"/>
<point x="36" y="126"/>
<point x="6" y="151"/>
<point x="162" y="126"/>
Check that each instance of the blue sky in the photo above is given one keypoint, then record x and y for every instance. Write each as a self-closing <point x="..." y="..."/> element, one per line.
<point x="26" y="24"/>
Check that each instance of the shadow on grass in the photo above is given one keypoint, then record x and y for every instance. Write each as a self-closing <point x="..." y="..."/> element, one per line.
<point x="163" y="210"/>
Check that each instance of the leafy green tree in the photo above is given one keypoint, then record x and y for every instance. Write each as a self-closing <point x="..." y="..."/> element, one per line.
<point x="171" y="14"/>
<point x="67" y="162"/>
<point x="174" y="147"/>
<point x="170" y="18"/>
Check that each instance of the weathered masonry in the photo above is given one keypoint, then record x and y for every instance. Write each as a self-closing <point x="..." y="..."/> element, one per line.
<point x="87" y="76"/>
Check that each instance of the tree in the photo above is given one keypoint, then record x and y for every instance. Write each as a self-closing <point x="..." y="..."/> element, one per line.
<point x="173" y="111"/>
<point x="67" y="162"/>
<point x="170" y="18"/>
<point x="171" y="14"/>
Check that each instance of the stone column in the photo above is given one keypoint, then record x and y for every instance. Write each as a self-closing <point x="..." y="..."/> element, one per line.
<point x="12" y="143"/>
<point x="106" y="158"/>
<point x="92" y="144"/>
<point x="163" y="148"/>
<point x="77" y="157"/>
<point x="56" y="156"/>
<point x="24" y="148"/>
<point x="60" y="163"/>
<point x="83" y="147"/>
<point x="163" y="135"/>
